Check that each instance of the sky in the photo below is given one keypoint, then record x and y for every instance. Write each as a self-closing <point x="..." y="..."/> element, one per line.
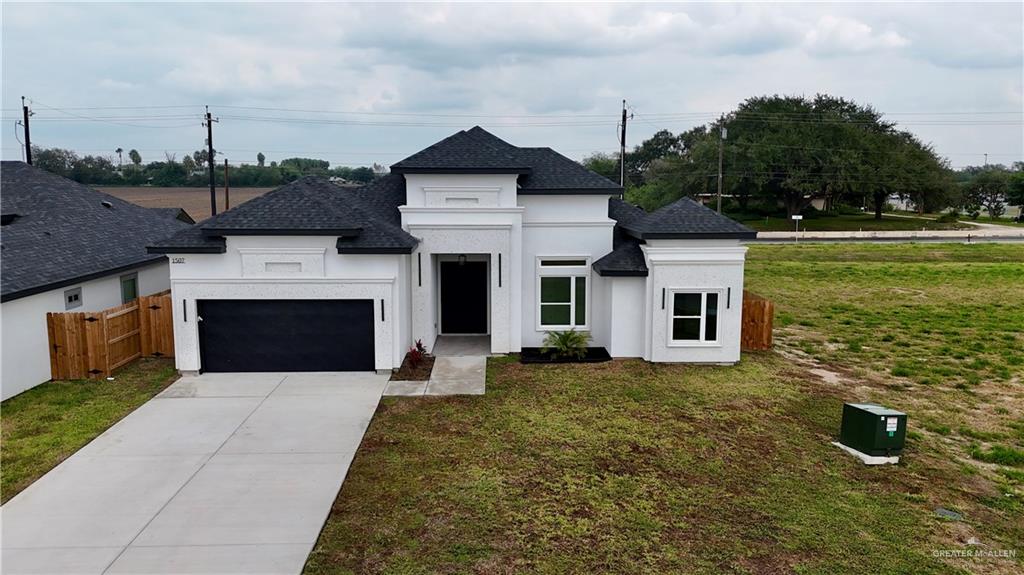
<point x="361" y="83"/>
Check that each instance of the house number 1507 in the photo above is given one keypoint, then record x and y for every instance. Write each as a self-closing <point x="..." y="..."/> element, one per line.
<point x="177" y="260"/>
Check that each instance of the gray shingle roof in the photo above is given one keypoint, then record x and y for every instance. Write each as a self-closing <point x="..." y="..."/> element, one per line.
<point x="542" y="170"/>
<point x="366" y="219"/>
<point x="683" y="219"/>
<point x="64" y="234"/>
<point x="686" y="219"/>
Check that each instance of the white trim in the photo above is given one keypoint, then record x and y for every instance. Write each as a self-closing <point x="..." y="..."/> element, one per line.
<point x="670" y="308"/>
<point x="461" y="210"/>
<point x="337" y="281"/>
<point x="606" y="224"/>
<point x="571" y="272"/>
<point x="282" y="250"/>
<point x="461" y="189"/>
<point x="448" y="257"/>
<point x="499" y="227"/>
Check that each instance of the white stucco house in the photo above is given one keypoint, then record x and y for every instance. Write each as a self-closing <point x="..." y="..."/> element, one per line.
<point x="67" y="247"/>
<point x="471" y="235"/>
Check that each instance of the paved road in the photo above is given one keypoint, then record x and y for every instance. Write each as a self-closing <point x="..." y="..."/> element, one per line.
<point x="220" y="473"/>
<point x="984" y="233"/>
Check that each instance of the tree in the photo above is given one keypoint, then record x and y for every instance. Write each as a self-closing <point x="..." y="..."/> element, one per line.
<point x="606" y="165"/>
<point x="135" y="157"/>
<point x="55" y="160"/>
<point x="260" y="158"/>
<point x="1015" y="190"/>
<point x="120" y="159"/>
<point x="989" y="190"/>
<point x="200" y="157"/>
<point x="188" y="164"/>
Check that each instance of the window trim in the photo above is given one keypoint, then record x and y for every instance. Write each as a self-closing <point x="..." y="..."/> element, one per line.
<point x="563" y="271"/>
<point x="120" y="285"/>
<point x="68" y="293"/>
<point x="670" y="316"/>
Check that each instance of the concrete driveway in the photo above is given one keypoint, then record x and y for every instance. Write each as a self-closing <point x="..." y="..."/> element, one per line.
<point x="220" y="473"/>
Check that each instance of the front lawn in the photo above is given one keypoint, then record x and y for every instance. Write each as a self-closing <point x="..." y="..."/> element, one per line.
<point x="627" y="467"/>
<point x="850" y="223"/>
<point x="44" y="425"/>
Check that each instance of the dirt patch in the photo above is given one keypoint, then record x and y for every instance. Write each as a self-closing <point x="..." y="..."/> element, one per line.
<point x="420" y="372"/>
<point x="195" y="201"/>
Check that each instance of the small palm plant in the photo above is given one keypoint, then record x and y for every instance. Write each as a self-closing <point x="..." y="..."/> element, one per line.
<point x="570" y="344"/>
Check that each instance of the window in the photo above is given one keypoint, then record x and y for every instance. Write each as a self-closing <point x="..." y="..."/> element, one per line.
<point x="694" y="317"/>
<point x="562" y="293"/>
<point x="72" y="298"/>
<point x="129" y="287"/>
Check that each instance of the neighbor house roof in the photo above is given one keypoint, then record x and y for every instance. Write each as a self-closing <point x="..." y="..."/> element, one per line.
<point x="683" y="219"/>
<point x="58" y="232"/>
<point x="541" y="170"/>
<point x="366" y="220"/>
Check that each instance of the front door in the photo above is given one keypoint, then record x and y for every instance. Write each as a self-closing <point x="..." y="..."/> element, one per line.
<point x="464" y="297"/>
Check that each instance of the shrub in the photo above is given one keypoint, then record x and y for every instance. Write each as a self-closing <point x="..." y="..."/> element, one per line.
<point x="420" y="347"/>
<point x="570" y="344"/>
<point x="948" y="218"/>
<point x="415" y="356"/>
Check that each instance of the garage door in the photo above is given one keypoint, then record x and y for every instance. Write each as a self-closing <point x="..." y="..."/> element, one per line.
<point x="286" y="335"/>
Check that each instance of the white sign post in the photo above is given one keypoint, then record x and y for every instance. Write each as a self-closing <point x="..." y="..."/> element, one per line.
<point x="797" y="219"/>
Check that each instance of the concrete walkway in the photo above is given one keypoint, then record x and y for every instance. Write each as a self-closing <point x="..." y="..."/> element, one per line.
<point x="983" y="233"/>
<point x="220" y="473"/>
<point x="460" y="368"/>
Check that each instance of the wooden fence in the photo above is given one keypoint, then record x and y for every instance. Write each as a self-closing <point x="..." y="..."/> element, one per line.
<point x="95" y="344"/>
<point x="758" y="313"/>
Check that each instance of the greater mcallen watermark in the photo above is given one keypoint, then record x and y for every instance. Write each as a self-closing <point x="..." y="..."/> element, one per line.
<point x="975" y="553"/>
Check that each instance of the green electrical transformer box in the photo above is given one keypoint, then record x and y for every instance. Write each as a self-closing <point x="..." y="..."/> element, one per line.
<point x="872" y="429"/>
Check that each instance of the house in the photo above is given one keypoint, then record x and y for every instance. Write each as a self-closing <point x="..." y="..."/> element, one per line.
<point x="67" y="247"/>
<point x="471" y="235"/>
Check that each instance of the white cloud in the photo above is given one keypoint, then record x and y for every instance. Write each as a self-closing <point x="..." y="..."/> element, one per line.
<point x="839" y="36"/>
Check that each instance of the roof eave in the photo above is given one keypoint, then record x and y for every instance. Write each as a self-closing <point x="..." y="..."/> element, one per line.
<point x="436" y="170"/>
<point x="569" y="191"/>
<point x="621" y="273"/>
<point x="343" y="232"/>
<point x="165" y="250"/>
<point x="694" y="235"/>
<point x="18" y="294"/>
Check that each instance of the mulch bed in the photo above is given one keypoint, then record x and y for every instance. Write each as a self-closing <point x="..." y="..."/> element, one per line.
<point x="418" y="373"/>
<point x="534" y="355"/>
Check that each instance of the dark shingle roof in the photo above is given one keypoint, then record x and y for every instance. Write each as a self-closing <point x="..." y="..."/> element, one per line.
<point x="366" y="219"/>
<point x="686" y="219"/>
<point x="683" y="219"/>
<point x="625" y="260"/>
<point x="65" y="233"/>
<point x="542" y="170"/>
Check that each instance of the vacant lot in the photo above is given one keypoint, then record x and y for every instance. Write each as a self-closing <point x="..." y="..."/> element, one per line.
<point x="857" y="222"/>
<point x="627" y="467"/>
<point x="44" y="425"/>
<point x="195" y="201"/>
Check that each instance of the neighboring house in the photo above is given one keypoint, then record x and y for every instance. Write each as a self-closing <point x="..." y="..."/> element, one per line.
<point x="66" y="247"/>
<point x="470" y="236"/>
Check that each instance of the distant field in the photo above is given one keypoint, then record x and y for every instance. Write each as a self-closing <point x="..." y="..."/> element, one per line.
<point x="195" y="201"/>
<point x="858" y="222"/>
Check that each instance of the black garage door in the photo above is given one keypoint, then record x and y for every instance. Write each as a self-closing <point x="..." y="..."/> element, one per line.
<point x="286" y="335"/>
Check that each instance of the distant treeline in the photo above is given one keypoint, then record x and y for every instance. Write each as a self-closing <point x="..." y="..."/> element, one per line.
<point x="128" y="169"/>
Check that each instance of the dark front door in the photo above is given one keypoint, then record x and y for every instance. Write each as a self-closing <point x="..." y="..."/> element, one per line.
<point x="464" y="297"/>
<point x="286" y="335"/>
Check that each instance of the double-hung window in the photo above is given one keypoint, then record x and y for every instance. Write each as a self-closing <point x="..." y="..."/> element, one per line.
<point x="562" y="288"/>
<point x="694" y="317"/>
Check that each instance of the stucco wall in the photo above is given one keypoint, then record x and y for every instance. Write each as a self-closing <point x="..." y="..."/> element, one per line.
<point x="626" y="313"/>
<point x="566" y="226"/>
<point x="289" y="267"/>
<point x="25" y="347"/>
<point x="696" y="265"/>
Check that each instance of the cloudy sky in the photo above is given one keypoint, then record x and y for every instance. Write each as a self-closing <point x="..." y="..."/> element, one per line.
<point x="362" y="83"/>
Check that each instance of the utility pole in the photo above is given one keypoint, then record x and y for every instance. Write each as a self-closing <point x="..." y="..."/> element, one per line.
<point x="622" y="150"/>
<point x="721" y="145"/>
<point x="227" y="197"/>
<point x="209" y="161"/>
<point x="986" y="156"/>
<point x="28" y="138"/>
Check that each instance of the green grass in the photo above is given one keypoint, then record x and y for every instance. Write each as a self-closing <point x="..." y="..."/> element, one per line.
<point x="44" y="425"/>
<point x="628" y="467"/>
<point x="857" y="222"/>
